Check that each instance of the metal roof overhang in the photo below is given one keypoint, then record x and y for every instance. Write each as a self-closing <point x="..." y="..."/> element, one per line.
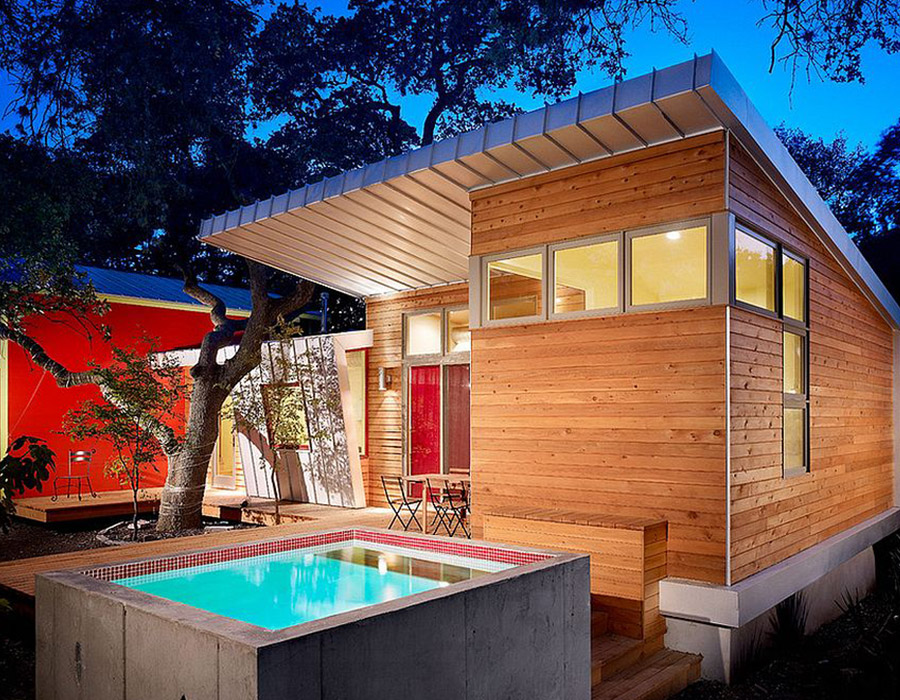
<point x="404" y="222"/>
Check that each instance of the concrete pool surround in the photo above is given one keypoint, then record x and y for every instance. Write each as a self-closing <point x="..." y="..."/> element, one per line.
<point x="522" y="631"/>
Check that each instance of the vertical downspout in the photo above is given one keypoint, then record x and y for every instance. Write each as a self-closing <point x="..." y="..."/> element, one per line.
<point x="728" y="445"/>
<point x="728" y="366"/>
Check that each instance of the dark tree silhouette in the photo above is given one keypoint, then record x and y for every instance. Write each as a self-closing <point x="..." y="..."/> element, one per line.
<point x="142" y="115"/>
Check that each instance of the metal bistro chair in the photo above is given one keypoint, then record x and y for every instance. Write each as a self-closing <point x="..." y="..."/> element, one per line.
<point x="77" y="458"/>
<point x="451" y="507"/>
<point x="403" y="505"/>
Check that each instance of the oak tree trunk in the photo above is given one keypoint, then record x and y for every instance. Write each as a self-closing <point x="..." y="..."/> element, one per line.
<point x="181" y="503"/>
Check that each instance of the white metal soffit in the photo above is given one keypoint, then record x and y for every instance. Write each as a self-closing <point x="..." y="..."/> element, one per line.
<point x="404" y="222"/>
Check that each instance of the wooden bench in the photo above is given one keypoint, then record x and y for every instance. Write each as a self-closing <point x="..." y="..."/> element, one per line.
<point x="628" y="558"/>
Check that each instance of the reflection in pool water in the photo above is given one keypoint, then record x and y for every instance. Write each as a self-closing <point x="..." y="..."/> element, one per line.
<point x="279" y="590"/>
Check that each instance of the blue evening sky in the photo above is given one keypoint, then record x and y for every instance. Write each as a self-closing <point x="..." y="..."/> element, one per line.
<point x="822" y="108"/>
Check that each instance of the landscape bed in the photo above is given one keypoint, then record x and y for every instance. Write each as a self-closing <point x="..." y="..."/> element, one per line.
<point x="351" y="613"/>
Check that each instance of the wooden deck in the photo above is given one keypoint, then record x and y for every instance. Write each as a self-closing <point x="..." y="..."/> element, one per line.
<point x="112" y="504"/>
<point x="17" y="577"/>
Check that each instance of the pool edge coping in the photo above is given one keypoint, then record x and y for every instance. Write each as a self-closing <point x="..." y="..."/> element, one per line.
<point x="258" y="637"/>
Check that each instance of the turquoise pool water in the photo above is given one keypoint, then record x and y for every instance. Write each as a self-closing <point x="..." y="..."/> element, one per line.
<point x="275" y="591"/>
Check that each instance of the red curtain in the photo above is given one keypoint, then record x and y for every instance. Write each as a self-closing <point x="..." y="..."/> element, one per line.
<point x="457" y="418"/>
<point x="425" y="420"/>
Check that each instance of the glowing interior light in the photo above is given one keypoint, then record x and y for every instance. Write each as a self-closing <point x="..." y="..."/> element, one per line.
<point x="673" y="235"/>
<point x="382" y="565"/>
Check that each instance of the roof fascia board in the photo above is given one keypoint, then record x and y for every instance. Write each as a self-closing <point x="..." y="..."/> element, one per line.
<point x="162" y="304"/>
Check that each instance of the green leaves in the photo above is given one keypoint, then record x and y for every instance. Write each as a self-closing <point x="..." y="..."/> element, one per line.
<point x="26" y="465"/>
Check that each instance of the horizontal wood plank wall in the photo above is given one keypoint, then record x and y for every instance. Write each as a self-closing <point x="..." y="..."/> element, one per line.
<point x="671" y="182"/>
<point x="627" y="561"/>
<point x="384" y="316"/>
<point x="619" y="415"/>
<point x="850" y="400"/>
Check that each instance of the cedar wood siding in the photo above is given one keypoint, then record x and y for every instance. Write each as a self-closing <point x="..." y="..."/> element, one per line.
<point x="620" y="415"/>
<point x="384" y="315"/>
<point x="850" y="387"/>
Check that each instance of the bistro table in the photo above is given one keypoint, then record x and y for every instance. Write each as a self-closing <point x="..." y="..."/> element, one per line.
<point x="446" y="478"/>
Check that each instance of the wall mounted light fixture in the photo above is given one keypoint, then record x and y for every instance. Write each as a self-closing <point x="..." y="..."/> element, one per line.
<point x="384" y="379"/>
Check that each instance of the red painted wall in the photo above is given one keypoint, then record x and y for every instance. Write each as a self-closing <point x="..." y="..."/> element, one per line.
<point x="37" y="405"/>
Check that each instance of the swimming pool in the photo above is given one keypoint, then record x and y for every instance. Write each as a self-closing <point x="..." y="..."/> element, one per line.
<point x="351" y="614"/>
<point x="279" y="590"/>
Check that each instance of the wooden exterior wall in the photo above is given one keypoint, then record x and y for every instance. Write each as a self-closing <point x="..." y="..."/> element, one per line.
<point x="384" y="316"/>
<point x="675" y="181"/>
<point x="850" y="386"/>
<point x="620" y="415"/>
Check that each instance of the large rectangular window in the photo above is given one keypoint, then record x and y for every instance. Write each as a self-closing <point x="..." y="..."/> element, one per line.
<point x="586" y="277"/>
<point x="669" y="267"/>
<point x="754" y="271"/>
<point x="515" y="287"/>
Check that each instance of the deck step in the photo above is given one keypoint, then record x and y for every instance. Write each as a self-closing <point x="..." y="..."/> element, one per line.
<point x="656" y="677"/>
<point x="611" y="653"/>
<point x="599" y="623"/>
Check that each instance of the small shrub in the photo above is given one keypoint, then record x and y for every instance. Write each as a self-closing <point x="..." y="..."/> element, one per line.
<point x="789" y="622"/>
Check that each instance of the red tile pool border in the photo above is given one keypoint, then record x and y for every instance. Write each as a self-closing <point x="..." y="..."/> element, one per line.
<point x="215" y="556"/>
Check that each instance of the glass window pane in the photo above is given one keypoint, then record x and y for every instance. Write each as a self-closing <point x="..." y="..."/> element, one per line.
<point x="794" y="438"/>
<point x="754" y="271"/>
<point x="514" y="287"/>
<point x="458" y="334"/>
<point x="423" y="334"/>
<point x="356" y="370"/>
<point x="668" y="266"/>
<point x="587" y="277"/>
<point x="793" y="275"/>
<point x="456" y="420"/>
<point x="793" y="364"/>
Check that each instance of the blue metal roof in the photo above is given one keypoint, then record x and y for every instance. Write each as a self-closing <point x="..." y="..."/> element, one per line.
<point x="140" y="286"/>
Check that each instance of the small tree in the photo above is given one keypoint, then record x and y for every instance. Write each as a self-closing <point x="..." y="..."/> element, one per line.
<point x="27" y="465"/>
<point x="271" y="401"/>
<point x="142" y="391"/>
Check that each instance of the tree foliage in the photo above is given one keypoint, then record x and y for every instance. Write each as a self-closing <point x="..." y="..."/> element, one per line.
<point x="862" y="187"/>
<point x="143" y="390"/>
<point x="137" y="118"/>
<point x="26" y="465"/>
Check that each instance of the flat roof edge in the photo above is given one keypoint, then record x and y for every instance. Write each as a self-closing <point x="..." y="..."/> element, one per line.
<point x="731" y="104"/>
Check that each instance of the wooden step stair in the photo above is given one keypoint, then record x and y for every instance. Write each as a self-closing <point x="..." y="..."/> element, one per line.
<point x="656" y="677"/>
<point x="611" y="653"/>
<point x="599" y="623"/>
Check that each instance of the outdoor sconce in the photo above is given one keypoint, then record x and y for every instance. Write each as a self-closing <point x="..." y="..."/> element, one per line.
<point x="384" y="379"/>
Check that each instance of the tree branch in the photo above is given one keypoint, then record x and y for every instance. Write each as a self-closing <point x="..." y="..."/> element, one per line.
<point x="66" y="378"/>
<point x="216" y="306"/>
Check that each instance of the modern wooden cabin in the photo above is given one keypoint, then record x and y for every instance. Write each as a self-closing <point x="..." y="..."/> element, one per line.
<point x="632" y="318"/>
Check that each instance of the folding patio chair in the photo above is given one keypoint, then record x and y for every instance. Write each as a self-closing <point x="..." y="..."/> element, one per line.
<point x="450" y="507"/>
<point x="79" y="458"/>
<point x="402" y="505"/>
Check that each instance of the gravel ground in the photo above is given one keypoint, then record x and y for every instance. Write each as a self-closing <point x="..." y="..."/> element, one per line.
<point x="856" y="657"/>
<point x="29" y="539"/>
